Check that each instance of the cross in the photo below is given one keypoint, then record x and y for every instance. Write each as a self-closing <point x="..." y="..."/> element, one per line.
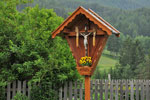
<point x="85" y="35"/>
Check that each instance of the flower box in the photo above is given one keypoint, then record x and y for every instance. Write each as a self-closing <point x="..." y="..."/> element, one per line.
<point x="84" y="70"/>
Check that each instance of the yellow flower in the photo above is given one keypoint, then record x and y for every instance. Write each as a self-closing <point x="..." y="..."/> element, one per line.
<point x="84" y="62"/>
<point x="90" y="61"/>
<point x="89" y="58"/>
<point x="83" y="58"/>
<point x="81" y="62"/>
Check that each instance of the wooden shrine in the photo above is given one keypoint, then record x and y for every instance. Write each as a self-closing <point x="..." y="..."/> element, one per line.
<point x="86" y="33"/>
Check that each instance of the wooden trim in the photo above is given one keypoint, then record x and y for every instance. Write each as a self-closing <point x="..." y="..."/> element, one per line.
<point x="95" y="21"/>
<point x="69" y="19"/>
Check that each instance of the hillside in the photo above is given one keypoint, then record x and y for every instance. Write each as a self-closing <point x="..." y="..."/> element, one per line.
<point x="123" y="4"/>
<point x="129" y="22"/>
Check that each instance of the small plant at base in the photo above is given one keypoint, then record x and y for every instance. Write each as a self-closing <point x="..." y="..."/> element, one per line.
<point x="20" y="96"/>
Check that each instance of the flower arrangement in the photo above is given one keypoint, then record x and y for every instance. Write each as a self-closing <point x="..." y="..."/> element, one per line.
<point x="86" y="61"/>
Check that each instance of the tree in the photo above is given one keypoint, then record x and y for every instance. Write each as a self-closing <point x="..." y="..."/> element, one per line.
<point x="27" y="51"/>
<point x="131" y="55"/>
<point x="143" y="69"/>
<point x="114" y="44"/>
<point x="145" y="40"/>
<point x="97" y="74"/>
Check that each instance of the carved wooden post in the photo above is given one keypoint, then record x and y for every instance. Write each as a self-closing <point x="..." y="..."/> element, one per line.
<point x="87" y="87"/>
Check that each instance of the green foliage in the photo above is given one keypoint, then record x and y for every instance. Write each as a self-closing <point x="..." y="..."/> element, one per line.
<point x="143" y="69"/>
<point x="133" y="61"/>
<point x="97" y="74"/>
<point x="27" y="51"/>
<point x="131" y="56"/>
<point x="145" y="40"/>
<point x="2" y="93"/>
<point x="44" y="91"/>
<point x="132" y="53"/>
<point x="123" y="72"/>
<point x="123" y="4"/>
<point x="130" y="22"/>
<point x="114" y="44"/>
<point x="20" y="96"/>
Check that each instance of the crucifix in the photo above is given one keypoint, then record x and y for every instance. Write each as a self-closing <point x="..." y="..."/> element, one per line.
<point x="85" y="36"/>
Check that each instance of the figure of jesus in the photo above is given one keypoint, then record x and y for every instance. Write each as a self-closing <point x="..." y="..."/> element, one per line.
<point x="85" y="40"/>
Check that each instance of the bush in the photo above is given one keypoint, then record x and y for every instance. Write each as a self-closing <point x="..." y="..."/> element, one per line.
<point x="44" y="91"/>
<point x="27" y="51"/>
<point x="20" y="96"/>
<point x="2" y="93"/>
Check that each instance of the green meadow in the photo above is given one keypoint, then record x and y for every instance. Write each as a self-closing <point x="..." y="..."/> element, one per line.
<point x="106" y="61"/>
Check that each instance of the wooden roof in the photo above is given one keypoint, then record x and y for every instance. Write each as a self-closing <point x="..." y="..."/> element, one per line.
<point x="92" y="16"/>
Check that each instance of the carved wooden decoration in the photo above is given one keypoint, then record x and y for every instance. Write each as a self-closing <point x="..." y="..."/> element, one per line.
<point x="86" y="33"/>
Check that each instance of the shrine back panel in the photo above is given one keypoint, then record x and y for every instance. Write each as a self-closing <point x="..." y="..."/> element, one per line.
<point x="93" y="51"/>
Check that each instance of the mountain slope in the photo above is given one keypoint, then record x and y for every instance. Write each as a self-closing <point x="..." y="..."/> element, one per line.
<point x="123" y="4"/>
<point x="130" y="22"/>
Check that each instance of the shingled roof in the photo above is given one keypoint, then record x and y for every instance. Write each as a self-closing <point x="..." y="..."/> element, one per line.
<point x="92" y="16"/>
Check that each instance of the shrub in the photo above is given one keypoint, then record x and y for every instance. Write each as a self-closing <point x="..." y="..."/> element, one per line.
<point x="2" y="93"/>
<point x="20" y="96"/>
<point x="44" y="91"/>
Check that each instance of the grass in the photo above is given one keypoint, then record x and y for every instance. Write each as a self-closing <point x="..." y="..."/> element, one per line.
<point x="106" y="61"/>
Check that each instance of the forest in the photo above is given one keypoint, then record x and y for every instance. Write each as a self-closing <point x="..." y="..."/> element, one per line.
<point x="27" y="51"/>
<point x="133" y="22"/>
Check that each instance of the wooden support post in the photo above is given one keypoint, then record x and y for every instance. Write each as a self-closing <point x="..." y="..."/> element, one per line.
<point x="87" y="87"/>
